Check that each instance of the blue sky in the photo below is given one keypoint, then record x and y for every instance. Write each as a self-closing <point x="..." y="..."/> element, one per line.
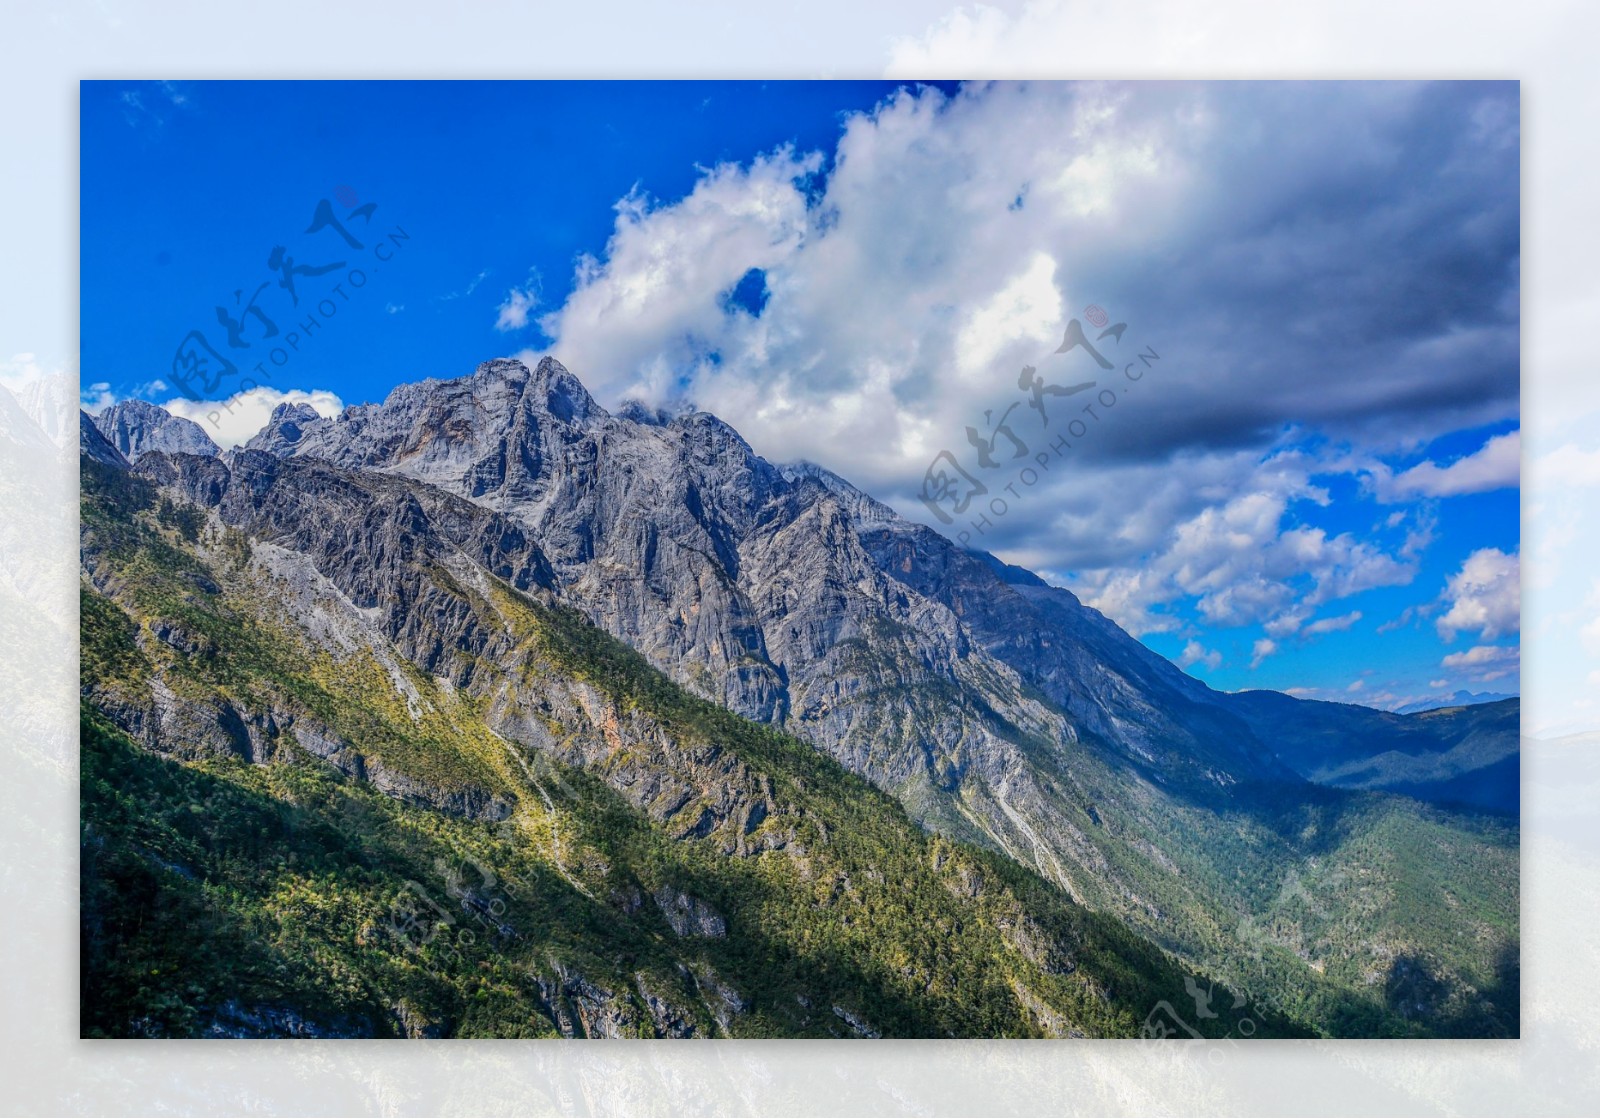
<point x="1318" y="491"/>
<point x="188" y="186"/>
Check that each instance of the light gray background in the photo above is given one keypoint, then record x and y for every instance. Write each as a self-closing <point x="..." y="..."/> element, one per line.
<point x="46" y="47"/>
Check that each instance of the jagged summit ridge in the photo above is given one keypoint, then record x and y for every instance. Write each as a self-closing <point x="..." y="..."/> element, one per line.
<point x="286" y="426"/>
<point x="789" y="595"/>
<point x="765" y="588"/>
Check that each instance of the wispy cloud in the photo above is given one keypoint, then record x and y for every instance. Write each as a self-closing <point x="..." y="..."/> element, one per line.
<point x="152" y="104"/>
<point x="472" y="286"/>
<point x="21" y="370"/>
<point x="1496" y="465"/>
<point x="1569" y="465"/>
<point x="1332" y="625"/>
<point x="1484" y="664"/>
<point x="519" y="304"/>
<point x="1194" y="653"/>
<point x="97" y="397"/>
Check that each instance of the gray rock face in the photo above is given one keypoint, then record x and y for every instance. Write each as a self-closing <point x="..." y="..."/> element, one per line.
<point x="94" y="445"/>
<point x="135" y="428"/>
<point x="725" y="1001"/>
<point x="399" y="553"/>
<point x="688" y="915"/>
<point x="858" y="1025"/>
<point x="628" y="513"/>
<point x="235" y="1021"/>
<point x="582" y="1008"/>
<point x="285" y="428"/>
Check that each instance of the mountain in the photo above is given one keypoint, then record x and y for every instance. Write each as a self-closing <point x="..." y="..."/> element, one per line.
<point x="1001" y="714"/>
<point x="50" y="401"/>
<point x="95" y="446"/>
<point x="284" y="428"/>
<point x="20" y="433"/>
<point x="383" y="784"/>
<point x="1449" y="755"/>
<point x="35" y="589"/>
<point x="137" y="427"/>
<point x="1459" y="699"/>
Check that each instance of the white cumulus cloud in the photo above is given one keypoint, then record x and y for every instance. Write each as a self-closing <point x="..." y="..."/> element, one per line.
<point x="234" y="420"/>
<point x="519" y="303"/>
<point x="1332" y="625"/>
<point x="1485" y="596"/>
<point x="1484" y="663"/>
<point x="1195" y="653"/>
<point x="945" y="242"/>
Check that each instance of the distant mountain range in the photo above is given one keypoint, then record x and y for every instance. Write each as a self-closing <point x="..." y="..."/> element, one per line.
<point x="1459" y="699"/>
<point x="485" y="589"/>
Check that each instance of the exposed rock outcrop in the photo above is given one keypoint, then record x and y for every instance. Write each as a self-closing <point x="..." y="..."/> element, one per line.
<point x="137" y="427"/>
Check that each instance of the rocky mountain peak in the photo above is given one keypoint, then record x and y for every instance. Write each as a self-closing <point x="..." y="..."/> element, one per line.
<point x="286" y="427"/>
<point x="299" y="413"/>
<point x="50" y="402"/>
<point x="780" y="593"/>
<point x="563" y="395"/>
<point x="548" y="387"/>
<point x="19" y="430"/>
<point x="136" y="427"/>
